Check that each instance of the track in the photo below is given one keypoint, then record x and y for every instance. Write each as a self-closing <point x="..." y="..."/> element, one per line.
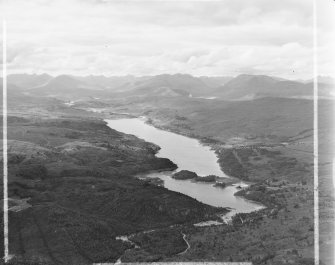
<point x="188" y="245"/>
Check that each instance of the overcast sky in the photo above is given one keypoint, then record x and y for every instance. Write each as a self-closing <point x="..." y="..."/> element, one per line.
<point x="225" y="37"/>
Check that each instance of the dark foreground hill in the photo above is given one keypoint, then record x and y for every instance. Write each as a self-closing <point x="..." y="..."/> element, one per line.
<point x="72" y="192"/>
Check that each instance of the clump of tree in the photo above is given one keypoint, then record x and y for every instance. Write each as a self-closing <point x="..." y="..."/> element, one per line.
<point x="209" y="178"/>
<point x="220" y="184"/>
<point x="185" y="174"/>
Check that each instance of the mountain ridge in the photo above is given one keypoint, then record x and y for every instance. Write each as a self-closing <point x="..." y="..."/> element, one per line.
<point x="241" y="87"/>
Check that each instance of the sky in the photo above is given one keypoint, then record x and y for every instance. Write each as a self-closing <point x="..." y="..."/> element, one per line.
<point x="138" y="37"/>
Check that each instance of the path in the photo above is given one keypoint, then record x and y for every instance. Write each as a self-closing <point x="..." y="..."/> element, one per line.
<point x="188" y="245"/>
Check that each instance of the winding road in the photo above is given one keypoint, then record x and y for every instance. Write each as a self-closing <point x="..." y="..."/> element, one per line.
<point x="188" y="245"/>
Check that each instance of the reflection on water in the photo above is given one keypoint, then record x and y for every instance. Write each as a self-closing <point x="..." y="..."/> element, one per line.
<point x="188" y="154"/>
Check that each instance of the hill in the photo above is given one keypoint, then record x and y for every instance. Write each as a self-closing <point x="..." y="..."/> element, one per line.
<point x="71" y="182"/>
<point x="248" y="87"/>
<point x="242" y="87"/>
<point x="66" y="87"/>
<point x="27" y="81"/>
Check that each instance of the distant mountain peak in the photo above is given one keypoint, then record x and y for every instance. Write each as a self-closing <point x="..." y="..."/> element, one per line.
<point x="246" y="86"/>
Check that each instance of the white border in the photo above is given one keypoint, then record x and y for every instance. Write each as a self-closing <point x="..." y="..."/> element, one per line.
<point x="4" y="133"/>
<point x="316" y="137"/>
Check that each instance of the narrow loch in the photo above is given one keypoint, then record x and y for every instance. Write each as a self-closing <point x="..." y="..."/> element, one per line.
<point x="188" y="154"/>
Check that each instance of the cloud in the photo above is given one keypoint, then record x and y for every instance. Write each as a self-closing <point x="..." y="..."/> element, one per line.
<point x="152" y="37"/>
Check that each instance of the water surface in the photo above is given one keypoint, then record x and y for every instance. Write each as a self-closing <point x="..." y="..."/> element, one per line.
<point x="188" y="154"/>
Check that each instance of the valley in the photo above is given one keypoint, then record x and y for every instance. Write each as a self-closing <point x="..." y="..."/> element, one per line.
<point x="196" y="132"/>
<point x="78" y="175"/>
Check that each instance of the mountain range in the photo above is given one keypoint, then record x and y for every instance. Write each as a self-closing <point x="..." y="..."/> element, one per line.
<point x="241" y="87"/>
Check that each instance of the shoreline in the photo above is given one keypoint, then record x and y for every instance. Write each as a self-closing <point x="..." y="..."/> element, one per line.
<point x="228" y="180"/>
<point x="229" y="176"/>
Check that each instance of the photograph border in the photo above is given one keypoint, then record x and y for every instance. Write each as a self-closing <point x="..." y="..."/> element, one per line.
<point x="7" y="255"/>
